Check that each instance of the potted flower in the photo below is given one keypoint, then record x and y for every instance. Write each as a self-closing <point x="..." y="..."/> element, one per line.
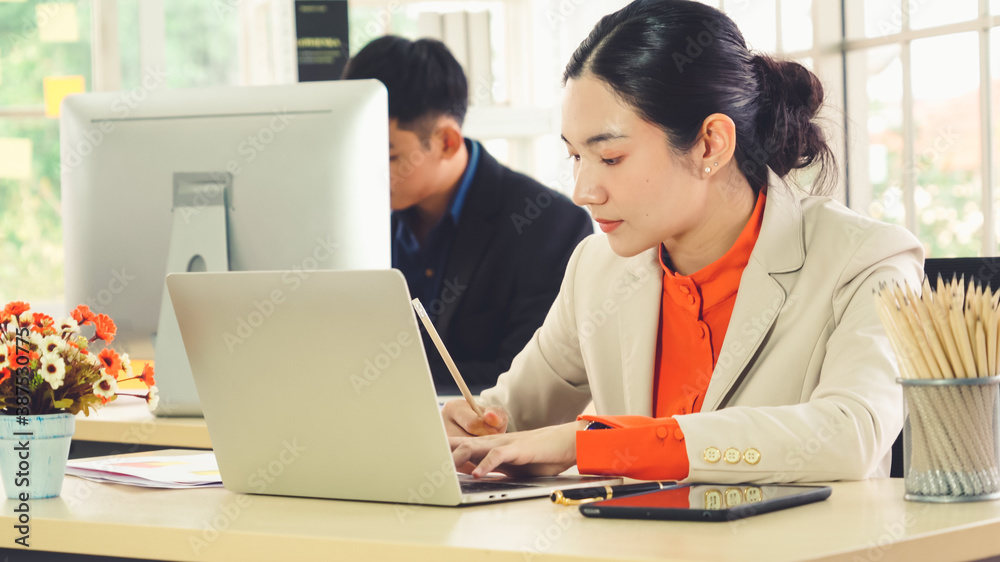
<point x="49" y="372"/>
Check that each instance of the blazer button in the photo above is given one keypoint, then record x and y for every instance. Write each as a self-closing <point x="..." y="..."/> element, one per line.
<point x="752" y="494"/>
<point x="712" y="454"/>
<point x="732" y="455"/>
<point x="751" y="456"/>
<point x="734" y="497"/>
<point x="661" y="432"/>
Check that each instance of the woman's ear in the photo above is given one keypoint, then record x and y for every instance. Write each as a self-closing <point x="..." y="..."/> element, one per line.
<point x="717" y="143"/>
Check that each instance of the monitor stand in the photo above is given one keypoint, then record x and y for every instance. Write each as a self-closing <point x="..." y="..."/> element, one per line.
<point x="198" y="242"/>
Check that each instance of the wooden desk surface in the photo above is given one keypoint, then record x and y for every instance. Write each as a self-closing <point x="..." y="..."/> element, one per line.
<point x="130" y="421"/>
<point x="861" y="521"/>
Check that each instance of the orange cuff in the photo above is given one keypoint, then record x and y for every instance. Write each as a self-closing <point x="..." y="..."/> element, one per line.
<point x="637" y="447"/>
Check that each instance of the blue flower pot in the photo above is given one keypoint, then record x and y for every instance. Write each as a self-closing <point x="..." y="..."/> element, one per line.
<point x="33" y="455"/>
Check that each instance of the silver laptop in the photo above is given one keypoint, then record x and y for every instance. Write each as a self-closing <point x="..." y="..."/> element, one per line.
<point x="328" y="394"/>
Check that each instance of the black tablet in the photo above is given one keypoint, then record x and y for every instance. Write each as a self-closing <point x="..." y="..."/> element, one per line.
<point x="707" y="502"/>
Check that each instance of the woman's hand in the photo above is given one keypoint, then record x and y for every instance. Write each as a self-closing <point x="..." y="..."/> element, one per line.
<point x="540" y="452"/>
<point x="461" y="421"/>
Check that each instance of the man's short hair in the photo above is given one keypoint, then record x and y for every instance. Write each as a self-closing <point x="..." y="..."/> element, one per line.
<point x="423" y="78"/>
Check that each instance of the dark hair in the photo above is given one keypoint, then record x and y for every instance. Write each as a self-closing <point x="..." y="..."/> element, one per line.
<point x="677" y="61"/>
<point x="423" y="78"/>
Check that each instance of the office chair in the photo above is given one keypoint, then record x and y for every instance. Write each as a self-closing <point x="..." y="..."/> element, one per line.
<point x="983" y="271"/>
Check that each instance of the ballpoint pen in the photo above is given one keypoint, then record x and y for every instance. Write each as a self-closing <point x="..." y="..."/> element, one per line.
<point x="576" y="496"/>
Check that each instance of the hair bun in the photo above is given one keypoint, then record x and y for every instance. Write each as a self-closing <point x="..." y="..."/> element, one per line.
<point x="790" y="98"/>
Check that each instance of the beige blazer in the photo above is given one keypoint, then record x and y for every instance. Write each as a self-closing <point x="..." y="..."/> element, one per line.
<point x="805" y="376"/>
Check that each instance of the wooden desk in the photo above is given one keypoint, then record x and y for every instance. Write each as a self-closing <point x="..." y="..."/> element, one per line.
<point x="862" y="521"/>
<point x="131" y="422"/>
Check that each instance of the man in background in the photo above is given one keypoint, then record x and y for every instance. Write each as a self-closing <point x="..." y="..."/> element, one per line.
<point x="483" y="247"/>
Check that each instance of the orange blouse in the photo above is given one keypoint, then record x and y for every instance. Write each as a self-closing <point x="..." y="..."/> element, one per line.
<point x="694" y="316"/>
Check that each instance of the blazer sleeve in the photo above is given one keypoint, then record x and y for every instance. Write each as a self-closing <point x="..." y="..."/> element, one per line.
<point x="547" y="383"/>
<point x="535" y="293"/>
<point x="842" y="432"/>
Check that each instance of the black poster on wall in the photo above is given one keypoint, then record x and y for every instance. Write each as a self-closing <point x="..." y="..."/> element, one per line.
<point x="321" y="32"/>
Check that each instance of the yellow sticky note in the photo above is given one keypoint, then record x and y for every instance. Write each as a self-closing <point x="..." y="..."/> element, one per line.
<point x="15" y="158"/>
<point x="57" y="23"/>
<point x="58" y="87"/>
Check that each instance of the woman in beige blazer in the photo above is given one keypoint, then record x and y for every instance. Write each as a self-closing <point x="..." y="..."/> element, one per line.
<point x="675" y="130"/>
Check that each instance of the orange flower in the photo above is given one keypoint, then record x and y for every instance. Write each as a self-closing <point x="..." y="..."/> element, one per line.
<point x="4" y="316"/>
<point x="106" y="329"/>
<point x="16" y="308"/>
<point x="112" y="363"/>
<point x="41" y="321"/>
<point x="147" y="375"/>
<point x="83" y="315"/>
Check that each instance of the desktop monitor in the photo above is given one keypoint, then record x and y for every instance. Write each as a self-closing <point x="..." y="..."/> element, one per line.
<point x="289" y="177"/>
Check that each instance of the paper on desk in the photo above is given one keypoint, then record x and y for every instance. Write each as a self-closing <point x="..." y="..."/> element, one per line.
<point x="176" y="471"/>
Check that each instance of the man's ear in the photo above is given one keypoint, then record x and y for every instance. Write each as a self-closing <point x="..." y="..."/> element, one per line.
<point x="451" y="138"/>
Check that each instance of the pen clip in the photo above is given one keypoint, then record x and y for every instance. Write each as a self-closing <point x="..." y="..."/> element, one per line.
<point x="559" y="498"/>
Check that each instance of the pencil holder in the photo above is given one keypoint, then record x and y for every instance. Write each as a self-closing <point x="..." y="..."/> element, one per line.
<point x="951" y="439"/>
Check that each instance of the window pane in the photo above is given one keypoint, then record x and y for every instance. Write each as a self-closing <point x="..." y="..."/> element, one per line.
<point x="757" y="19"/>
<point x="947" y="166"/>
<point x="202" y="47"/>
<point x="932" y="13"/>
<point x="873" y="18"/>
<point x="881" y="115"/>
<point x="995" y="78"/>
<point x="128" y="43"/>
<point x="796" y="25"/>
<point x="32" y="47"/>
<point x="37" y="39"/>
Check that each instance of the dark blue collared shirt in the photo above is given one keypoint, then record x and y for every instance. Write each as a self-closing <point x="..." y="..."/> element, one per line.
<point x="423" y="266"/>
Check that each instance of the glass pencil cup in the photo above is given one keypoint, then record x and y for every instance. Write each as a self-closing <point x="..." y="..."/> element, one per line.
<point x="951" y="439"/>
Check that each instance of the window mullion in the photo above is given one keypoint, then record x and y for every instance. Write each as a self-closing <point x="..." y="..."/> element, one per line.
<point x="986" y="118"/>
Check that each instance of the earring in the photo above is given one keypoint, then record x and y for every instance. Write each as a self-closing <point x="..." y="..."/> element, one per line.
<point x="716" y="164"/>
<point x="708" y="170"/>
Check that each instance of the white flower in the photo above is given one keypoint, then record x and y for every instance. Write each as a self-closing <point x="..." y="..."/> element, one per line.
<point x="107" y="386"/>
<point x="126" y="366"/>
<point x="68" y="326"/>
<point x="5" y="361"/>
<point x="51" y="344"/>
<point x="53" y="369"/>
<point x="153" y="398"/>
<point x="26" y="318"/>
